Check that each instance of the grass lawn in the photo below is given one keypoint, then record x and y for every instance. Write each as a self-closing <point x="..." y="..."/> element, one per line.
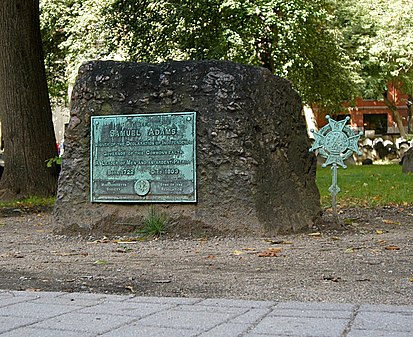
<point x="369" y="185"/>
<point x="361" y="186"/>
<point x="29" y="202"/>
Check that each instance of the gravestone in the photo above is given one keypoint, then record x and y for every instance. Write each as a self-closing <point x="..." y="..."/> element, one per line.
<point x="252" y="170"/>
<point x="407" y="161"/>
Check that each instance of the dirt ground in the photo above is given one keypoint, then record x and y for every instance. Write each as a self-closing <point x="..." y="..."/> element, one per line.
<point x="368" y="259"/>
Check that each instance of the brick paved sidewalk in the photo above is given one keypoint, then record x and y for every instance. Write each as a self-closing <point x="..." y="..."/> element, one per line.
<point x="81" y="314"/>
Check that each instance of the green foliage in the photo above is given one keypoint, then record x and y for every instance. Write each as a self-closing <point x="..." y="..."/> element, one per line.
<point x="378" y="34"/>
<point x="29" y="202"/>
<point x="55" y="160"/>
<point x="154" y="225"/>
<point x="367" y="186"/>
<point x="331" y="50"/>
<point x="52" y="37"/>
<point x="73" y="31"/>
<point x="294" y="39"/>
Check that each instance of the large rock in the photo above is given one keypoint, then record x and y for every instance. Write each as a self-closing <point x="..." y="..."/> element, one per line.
<point x="254" y="171"/>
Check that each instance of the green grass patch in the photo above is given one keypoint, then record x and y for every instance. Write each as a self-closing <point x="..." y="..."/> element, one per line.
<point x="154" y="224"/>
<point x="29" y="202"/>
<point x="367" y="186"/>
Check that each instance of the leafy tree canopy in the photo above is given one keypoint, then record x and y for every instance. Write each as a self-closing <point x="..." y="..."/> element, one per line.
<point x="378" y="34"/>
<point x="292" y="38"/>
<point x="296" y="39"/>
<point x="73" y="31"/>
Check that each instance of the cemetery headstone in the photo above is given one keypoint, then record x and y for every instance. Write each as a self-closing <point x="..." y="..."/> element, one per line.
<point x="216" y="147"/>
<point x="407" y="161"/>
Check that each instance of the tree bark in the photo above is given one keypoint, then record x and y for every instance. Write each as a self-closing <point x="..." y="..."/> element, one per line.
<point x="409" y="114"/>
<point x="26" y="115"/>
<point x="396" y="115"/>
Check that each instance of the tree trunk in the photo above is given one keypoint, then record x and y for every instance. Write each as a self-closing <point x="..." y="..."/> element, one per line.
<point x="396" y="115"/>
<point x="26" y="115"/>
<point x="409" y="114"/>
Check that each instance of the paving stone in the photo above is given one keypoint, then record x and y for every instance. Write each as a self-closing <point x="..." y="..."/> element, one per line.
<point x="376" y="333"/>
<point x="226" y="330"/>
<point x="315" y="306"/>
<point x="7" y="322"/>
<point x="82" y="322"/>
<point x="238" y="303"/>
<point x="387" y="308"/>
<point x="36" y="310"/>
<point x="385" y="321"/>
<point x="133" y="309"/>
<point x="84" y="314"/>
<point x="311" y="313"/>
<point x="251" y="316"/>
<point x="6" y="301"/>
<point x="199" y="320"/>
<point x="136" y="330"/>
<point x="100" y="297"/>
<point x="33" y="332"/>
<point x="69" y="301"/>
<point x="301" y="326"/>
<point x="213" y="309"/>
<point x="165" y="300"/>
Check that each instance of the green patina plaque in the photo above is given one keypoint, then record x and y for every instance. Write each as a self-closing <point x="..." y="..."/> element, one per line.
<point x="143" y="158"/>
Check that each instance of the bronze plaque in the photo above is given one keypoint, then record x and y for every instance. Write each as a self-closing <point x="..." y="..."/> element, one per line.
<point x="143" y="158"/>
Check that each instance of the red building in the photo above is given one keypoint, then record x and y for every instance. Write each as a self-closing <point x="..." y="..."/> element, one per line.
<point x="373" y="116"/>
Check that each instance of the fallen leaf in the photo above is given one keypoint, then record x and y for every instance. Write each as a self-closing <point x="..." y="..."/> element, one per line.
<point x="391" y="222"/>
<point x="382" y="242"/>
<point x="271" y="252"/>
<point x="315" y="235"/>
<point x="411" y="280"/>
<point x="101" y="262"/>
<point x="210" y="257"/>
<point x="73" y="254"/>
<point x="351" y="249"/>
<point x="278" y="242"/>
<point x="379" y="231"/>
<point x="203" y="239"/>
<point x="350" y="220"/>
<point x="18" y="255"/>
<point x="250" y="250"/>
<point x="122" y="250"/>
<point x="102" y="240"/>
<point x="331" y="278"/>
<point x="335" y="238"/>
<point x="391" y="247"/>
<point x="130" y="240"/>
<point x="237" y="252"/>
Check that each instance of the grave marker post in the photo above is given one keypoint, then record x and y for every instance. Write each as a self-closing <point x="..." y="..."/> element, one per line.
<point x="336" y="142"/>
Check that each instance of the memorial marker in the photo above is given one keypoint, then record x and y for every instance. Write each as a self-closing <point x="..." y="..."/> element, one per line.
<point x="143" y="158"/>
<point x="336" y="142"/>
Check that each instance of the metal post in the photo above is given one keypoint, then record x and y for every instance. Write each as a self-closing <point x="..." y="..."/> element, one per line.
<point x="334" y="189"/>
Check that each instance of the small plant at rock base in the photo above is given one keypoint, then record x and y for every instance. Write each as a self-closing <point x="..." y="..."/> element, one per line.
<point x="55" y="160"/>
<point x="154" y="225"/>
